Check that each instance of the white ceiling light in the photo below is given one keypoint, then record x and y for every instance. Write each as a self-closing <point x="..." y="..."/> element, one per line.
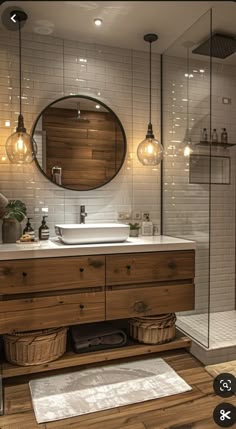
<point x="98" y="22"/>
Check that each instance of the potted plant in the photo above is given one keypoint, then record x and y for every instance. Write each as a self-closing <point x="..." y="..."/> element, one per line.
<point x="134" y="229"/>
<point x="14" y="214"/>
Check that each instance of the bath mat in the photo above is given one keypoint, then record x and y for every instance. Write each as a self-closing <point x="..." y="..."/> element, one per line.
<point x="90" y="390"/>
<point x="218" y="368"/>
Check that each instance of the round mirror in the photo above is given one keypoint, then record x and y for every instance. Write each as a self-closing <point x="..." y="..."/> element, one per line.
<point x="81" y="143"/>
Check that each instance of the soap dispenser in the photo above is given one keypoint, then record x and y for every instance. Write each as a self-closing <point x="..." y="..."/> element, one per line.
<point x="44" y="230"/>
<point x="29" y="230"/>
<point x="147" y="226"/>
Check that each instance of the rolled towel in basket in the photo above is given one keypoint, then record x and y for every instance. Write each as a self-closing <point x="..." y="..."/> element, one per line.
<point x="97" y="336"/>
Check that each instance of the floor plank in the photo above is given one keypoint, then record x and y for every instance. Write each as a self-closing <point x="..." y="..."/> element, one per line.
<point x="17" y="398"/>
<point x="189" y="410"/>
<point x="20" y="421"/>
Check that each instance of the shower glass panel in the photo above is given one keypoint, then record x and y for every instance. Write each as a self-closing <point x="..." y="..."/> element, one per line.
<point x="222" y="220"/>
<point x="186" y="111"/>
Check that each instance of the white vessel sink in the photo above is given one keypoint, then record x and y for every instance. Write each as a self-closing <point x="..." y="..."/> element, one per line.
<point x="80" y="233"/>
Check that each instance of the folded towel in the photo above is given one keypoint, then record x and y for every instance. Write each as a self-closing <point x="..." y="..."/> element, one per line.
<point x="97" y="336"/>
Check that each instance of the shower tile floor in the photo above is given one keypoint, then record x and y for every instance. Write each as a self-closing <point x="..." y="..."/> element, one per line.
<point x="222" y="329"/>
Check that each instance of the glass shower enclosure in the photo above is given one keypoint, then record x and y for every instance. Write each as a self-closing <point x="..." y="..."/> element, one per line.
<point x="198" y="175"/>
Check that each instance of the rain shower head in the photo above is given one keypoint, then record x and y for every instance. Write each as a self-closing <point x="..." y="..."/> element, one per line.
<point x="77" y="117"/>
<point x="218" y="46"/>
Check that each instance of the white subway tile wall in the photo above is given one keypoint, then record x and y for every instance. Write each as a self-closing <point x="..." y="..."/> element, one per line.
<point x="118" y="77"/>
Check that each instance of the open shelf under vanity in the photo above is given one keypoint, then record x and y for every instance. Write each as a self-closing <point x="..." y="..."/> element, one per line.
<point x="71" y="359"/>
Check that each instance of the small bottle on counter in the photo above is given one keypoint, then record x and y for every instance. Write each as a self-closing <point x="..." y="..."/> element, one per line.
<point x="44" y="230"/>
<point x="155" y="229"/>
<point x="214" y="137"/>
<point x="204" y="137"/>
<point x="224" y="136"/>
<point x="147" y="227"/>
<point x="29" y="230"/>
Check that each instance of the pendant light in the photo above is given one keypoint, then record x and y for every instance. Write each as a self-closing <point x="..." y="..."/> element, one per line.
<point x="150" y="150"/>
<point x="20" y="147"/>
<point x="188" y="145"/>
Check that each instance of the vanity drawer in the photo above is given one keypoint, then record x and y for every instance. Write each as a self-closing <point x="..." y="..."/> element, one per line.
<point x="52" y="311"/>
<point x="34" y="275"/>
<point x="149" y="300"/>
<point x="149" y="267"/>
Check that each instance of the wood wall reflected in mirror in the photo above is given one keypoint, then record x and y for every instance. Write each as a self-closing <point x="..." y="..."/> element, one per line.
<point x="87" y="145"/>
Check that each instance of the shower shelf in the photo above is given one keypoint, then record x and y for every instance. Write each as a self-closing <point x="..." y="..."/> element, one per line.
<point x="219" y="144"/>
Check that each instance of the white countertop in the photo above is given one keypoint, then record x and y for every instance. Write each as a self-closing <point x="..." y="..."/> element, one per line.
<point x="54" y="248"/>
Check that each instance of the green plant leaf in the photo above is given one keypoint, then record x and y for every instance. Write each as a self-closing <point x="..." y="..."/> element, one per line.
<point x="15" y="209"/>
<point x="134" y="225"/>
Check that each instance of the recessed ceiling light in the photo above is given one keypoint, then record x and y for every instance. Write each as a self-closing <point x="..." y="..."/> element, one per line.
<point x="44" y="27"/>
<point x="98" y="22"/>
<point x="97" y="106"/>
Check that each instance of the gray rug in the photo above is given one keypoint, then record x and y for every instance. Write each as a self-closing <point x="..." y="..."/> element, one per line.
<point x="86" y="391"/>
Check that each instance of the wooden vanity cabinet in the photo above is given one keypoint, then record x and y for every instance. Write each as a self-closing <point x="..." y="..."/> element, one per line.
<point x="51" y="274"/>
<point x="45" y="293"/>
<point x="145" y="284"/>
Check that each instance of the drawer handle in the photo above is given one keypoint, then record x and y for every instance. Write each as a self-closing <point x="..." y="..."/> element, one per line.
<point x="81" y="306"/>
<point x="24" y="274"/>
<point x="81" y="270"/>
<point x="128" y="267"/>
<point x="140" y="307"/>
<point x="172" y="265"/>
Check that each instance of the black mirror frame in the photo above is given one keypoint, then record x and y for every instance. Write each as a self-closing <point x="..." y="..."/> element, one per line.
<point x="106" y="107"/>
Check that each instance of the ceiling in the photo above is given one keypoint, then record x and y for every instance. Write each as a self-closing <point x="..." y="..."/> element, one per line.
<point x="124" y="22"/>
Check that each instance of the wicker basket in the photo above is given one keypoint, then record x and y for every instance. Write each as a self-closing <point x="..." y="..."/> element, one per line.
<point x="36" y="347"/>
<point x="153" y="329"/>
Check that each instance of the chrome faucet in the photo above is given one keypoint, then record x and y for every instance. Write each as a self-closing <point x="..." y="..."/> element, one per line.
<point x="83" y="214"/>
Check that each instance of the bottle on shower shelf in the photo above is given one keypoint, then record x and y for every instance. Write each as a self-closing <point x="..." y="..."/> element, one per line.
<point x="214" y="137"/>
<point x="224" y="136"/>
<point x="204" y="136"/>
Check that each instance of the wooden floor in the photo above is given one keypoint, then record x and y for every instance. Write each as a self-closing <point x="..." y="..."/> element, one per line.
<point x="183" y="411"/>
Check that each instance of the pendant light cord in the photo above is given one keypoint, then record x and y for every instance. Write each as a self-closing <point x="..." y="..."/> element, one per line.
<point x="20" y="61"/>
<point x="150" y="81"/>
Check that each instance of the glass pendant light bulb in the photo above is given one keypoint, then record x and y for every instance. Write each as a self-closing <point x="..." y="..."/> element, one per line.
<point x="150" y="151"/>
<point x="187" y="150"/>
<point x="188" y="147"/>
<point x="19" y="148"/>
